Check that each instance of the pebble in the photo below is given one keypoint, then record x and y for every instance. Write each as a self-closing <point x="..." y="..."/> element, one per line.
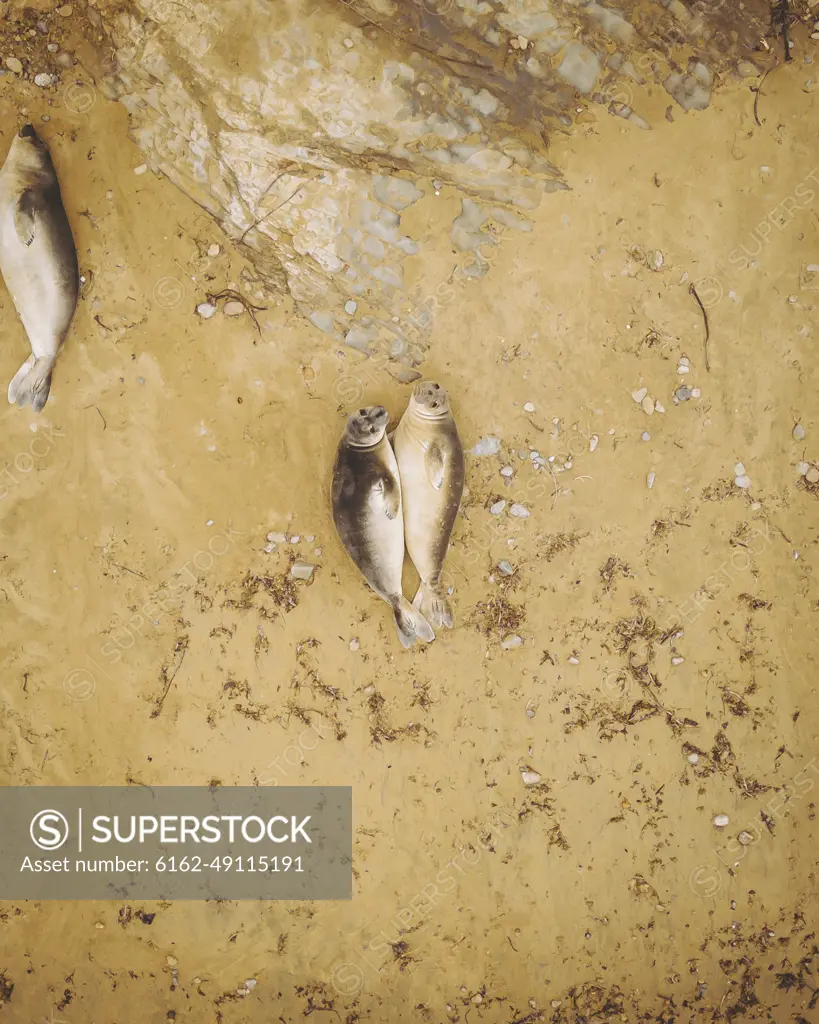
<point x="171" y="961"/>
<point x="745" y="837"/>
<point x="812" y="475"/>
<point x="301" y="570"/>
<point x="646" y="436"/>
<point x="269" y="548"/>
<point x="511" y="642"/>
<point x="659" y="260"/>
<point x="677" y="661"/>
<point x="206" y="310"/>
<point x="99" y="925"/>
<point x="534" y="456"/>
<point x="573" y="660"/>
<point x="693" y="758"/>
<point x="52" y="47"/>
<point x="798" y="432"/>
<point x="498" y="507"/>
<point x="309" y="537"/>
<point x="354" y="644"/>
<point x="233" y="308"/>
<point x="506" y="568"/>
<point x="65" y="11"/>
<point x="214" y="250"/>
<point x="350" y="307"/>
<point x="721" y="820"/>
<point x="141" y="169"/>
<point x="683" y="368"/>
<point x="743" y="481"/>
<point x="650" y="480"/>
<point x="487" y="446"/>
<point x="507" y="471"/>
<point x="43" y="80"/>
<point x="739" y="469"/>
<point x="594" y="440"/>
<point x="639" y="395"/>
<point x="530" y="778"/>
<point x="277" y="538"/>
<point x="520" y="511"/>
<point x="528" y="407"/>
<point x="695" y="392"/>
<point x="682" y="394"/>
<point x="14" y="65"/>
<point x="659" y="407"/>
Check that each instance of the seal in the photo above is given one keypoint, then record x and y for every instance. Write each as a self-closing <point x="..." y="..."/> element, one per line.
<point x="366" y="497"/>
<point x="430" y="460"/>
<point x="38" y="261"/>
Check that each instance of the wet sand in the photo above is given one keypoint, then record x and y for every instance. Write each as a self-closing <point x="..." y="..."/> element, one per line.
<point x="667" y="665"/>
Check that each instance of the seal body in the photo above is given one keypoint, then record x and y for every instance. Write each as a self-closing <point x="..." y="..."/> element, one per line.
<point x="38" y="261"/>
<point x="431" y="465"/>
<point x="366" y="499"/>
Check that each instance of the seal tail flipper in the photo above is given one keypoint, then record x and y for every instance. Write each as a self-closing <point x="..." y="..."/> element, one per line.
<point x="435" y="608"/>
<point x="32" y="384"/>
<point x="410" y="623"/>
<point x="15" y="380"/>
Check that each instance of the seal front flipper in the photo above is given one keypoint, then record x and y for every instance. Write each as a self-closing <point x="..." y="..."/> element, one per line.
<point x="390" y="493"/>
<point x="434" y="460"/>
<point x="24" y="221"/>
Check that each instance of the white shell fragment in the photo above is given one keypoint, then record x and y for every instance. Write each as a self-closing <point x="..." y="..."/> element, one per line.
<point x="301" y="570"/>
<point x="497" y="508"/>
<point x="487" y="446"/>
<point x="721" y="820"/>
<point x="520" y="511"/>
<point x="511" y="642"/>
<point x="639" y="395"/>
<point x="530" y="778"/>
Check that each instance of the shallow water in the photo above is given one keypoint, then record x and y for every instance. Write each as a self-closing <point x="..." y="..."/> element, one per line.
<point x="174" y="445"/>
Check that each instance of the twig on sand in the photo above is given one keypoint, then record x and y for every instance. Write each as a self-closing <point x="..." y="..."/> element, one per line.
<point x="693" y="291"/>
<point x="783" y="15"/>
<point x="229" y="293"/>
<point x="180" y="648"/>
<point x="758" y="90"/>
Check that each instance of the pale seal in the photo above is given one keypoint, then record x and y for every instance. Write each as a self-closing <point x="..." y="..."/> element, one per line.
<point x="367" y="513"/>
<point x="431" y="465"/>
<point x="38" y="261"/>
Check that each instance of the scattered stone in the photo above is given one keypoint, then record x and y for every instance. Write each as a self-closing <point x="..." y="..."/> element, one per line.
<point x="171" y="961"/>
<point x="99" y="925"/>
<point x="354" y="644"/>
<point x="743" y="481"/>
<point x="639" y="395"/>
<point x="659" y="407"/>
<point x="812" y="475"/>
<point x="206" y="310"/>
<point x="693" y="758"/>
<point x="745" y="837"/>
<point x="497" y="507"/>
<point x="594" y="440"/>
<point x="295" y="538"/>
<point x="650" y="480"/>
<point x="301" y="570"/>
<point x="682" y="394"/>
<point x="507" y="471"/>
<point x="646" y="436"/>
<point x="695" y="392"/>
<point x="14" y="65"/>
<point x="530" y="778"/>
<point x="683" y="368"/>
<point x="43" y="80"/>
<point x="721" y="820"/>
<point x="511" y="642"/>
<point x="214" y="250"/>
<point x="487" y="446"/>
<point x="528" y="407"/>
<point x="534" y="456"/>
<point x="141" y="169"/>
<point x="350" y="306"/>
<point x="677" y="660"/>
<point x="277" y="538"/>
<point x="233" y="308"/>
<point x="739" y="469"/>
<point x="309" y="537"/>
<point x="506" y="568"/>
<point x="647" y="405"/>
<point x="573" y="660"/>
<point x="65" y="11"/>
<point x="52" y="47"/>
<point x="798" y="432"/>
<point x="520" y="511"/>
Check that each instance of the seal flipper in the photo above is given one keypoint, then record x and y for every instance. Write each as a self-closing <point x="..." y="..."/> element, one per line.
<point x="35" y="385"/>
<point x="410" y="623"/>
<point x="391" y="496"/>
<point x="24" y="221"/>
<point x="434" y="461"/>
<point x="433" y="606"/>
